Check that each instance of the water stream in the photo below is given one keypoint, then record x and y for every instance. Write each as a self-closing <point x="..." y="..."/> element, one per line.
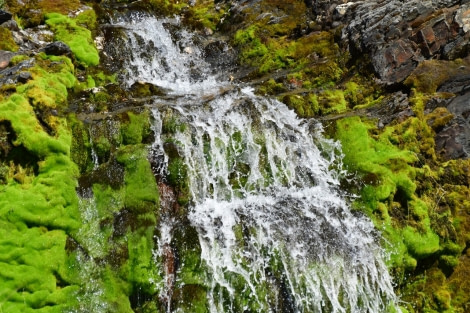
<point x="275" y="232"/>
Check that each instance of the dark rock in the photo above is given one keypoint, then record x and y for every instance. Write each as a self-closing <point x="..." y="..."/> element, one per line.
<point x="4" y="16"/>
<point x="398" y="35"/>
<point x="10" y="75"/>
<point x="219" y="54"/>
<point x="457" y="85"/>
<point x="23" y="77"/>
<point x="394" y="107"/>
<point x="454" y="140"/>
<point x="57" y="48"/>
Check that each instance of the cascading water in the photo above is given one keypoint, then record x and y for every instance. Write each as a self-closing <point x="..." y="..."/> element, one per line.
<point x="275" y="234"/>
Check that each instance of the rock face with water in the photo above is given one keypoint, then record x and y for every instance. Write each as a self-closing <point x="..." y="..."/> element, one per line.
<point x="234" y="156"/>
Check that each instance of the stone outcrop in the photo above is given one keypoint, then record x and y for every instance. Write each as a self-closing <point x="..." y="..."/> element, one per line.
<point x="398" y="35"/>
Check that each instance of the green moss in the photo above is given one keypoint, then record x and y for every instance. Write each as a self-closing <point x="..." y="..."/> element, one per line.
<point x="430" y="74"/>
<point x="178" y="178"/>
<point x="333" y="101"/>
<point x="420" y="245"/>
<point x="87" y="19"/>
<point x="140" y="186"/>
<point x="6" y="40"/>
<point x="77" y="37"/>
<point x="140" y="269"/>
<point x="18" y="59"/>
<point x="38" y="208"/>
<point x="136" y="128"/>
<point x="49" y="89"/>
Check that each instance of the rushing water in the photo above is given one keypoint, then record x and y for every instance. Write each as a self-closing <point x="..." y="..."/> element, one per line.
<point x="275" y="233"/>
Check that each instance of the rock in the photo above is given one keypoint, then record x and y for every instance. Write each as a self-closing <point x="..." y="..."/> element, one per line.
<point x="462" y="17"/>
<point x="399" y="35"/>
<point x="57" y="48"/>
<point x="459" y="85"/>
<point x="5" y="57"/>
<point x="23" y="77"/>
<point x="11" y="74"/>
<point x="219" y="54"/>
<point x="4" y="16"/>
<point x="11" y="25"/>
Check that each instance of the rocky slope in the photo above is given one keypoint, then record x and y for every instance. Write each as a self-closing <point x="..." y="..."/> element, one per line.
<point x="389" y="79"/>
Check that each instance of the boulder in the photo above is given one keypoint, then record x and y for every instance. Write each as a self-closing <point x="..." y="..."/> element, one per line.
<point x="57" y="48"/>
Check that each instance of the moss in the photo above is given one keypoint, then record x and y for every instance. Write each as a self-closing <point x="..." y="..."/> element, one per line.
<point x="304" y="106"/>
<point x="77" y="37"/>
<point x="38" y="208"/>
<point x="30" y="13"/>
<point x="140" y="269"/>
<point x="6" y="40"/>
<point x="140" y="186"/>
<point x="333" y="101"/>
<point x="136" y="128"/>
<point x="420" y="245"/>
<point x="430" y="74"/>
<point x="18" y="59"/>
<point x="86" y="19"/>
<point x="48" y="89"/>
<point x="178" y="177"/>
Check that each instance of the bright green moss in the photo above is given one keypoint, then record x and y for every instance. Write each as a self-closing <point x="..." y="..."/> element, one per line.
<point x="140" y="268"/>
<point x="136" y="128"/>
<point x="141" y="192"/>
<point x="420" y="245"/>
<point x="77" y="37"/>
<point x="333" y="101"/>
<point x="38" y="205"/>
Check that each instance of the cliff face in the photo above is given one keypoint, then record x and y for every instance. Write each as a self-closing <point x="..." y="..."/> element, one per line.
<point x="389" y="79"/>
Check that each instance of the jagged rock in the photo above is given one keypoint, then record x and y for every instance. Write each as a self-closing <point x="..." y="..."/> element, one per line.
<point x="398" y="35"/>
<point x="57" y="48"/>
<point x="4" y="16"/>
<point x="453" y="141"/>
<point x="394" y="107"/>
<point x="11" y="75"/>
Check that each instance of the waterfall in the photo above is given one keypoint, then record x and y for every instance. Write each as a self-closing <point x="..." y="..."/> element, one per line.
<point x="275" y="232"/>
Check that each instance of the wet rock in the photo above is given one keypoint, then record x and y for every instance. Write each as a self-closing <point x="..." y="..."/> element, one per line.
<point x="219" y="54"/>
<point x="457" y="85"/>
<point x="57" y="48"/>
<point x="4" y="16"/>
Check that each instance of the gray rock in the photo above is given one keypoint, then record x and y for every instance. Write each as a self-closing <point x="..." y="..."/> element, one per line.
<point x="398" y="35"/>
<point x="11" y="25"/>
<point x="23" y="77"/>
<point x="57" y="48"/>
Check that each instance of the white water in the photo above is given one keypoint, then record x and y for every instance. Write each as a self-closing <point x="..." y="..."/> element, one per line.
<point x="275" y="232"/>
